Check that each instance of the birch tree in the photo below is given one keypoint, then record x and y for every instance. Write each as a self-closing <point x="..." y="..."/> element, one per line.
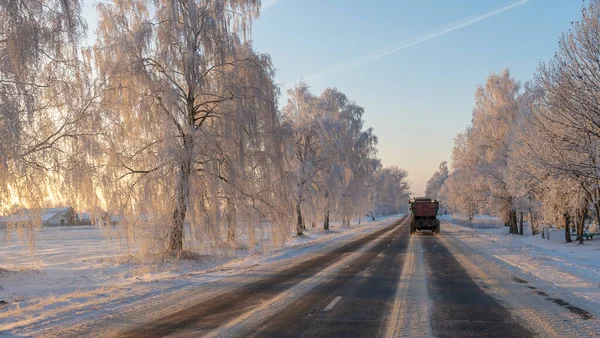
<point x="486" y="146"/>
<point x="308" y="146"/>
<point x="183" y="78"/>
<point x="351" y="153"/>
<point x="434" y="184"/>
<point x="392" y="190"/>
<point x="567" y="113"/>
<point x="47" y="103"/>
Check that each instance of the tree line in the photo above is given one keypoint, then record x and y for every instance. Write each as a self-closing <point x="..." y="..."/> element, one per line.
<point x="171" y="121"/>
<point x="533" y="149"/>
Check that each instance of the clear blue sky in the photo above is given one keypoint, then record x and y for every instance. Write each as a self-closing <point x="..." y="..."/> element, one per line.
<point x="418" y="97"/>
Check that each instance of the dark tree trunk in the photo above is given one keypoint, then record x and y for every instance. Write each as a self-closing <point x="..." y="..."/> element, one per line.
<point x="533" y="224"/>
<point x="326" y="220"/>
<point x="512" y="222"/>
<point x="521" y="224"/>
<point x="568" y="228"/>
<point x="176" y="236"/>
<point x="373" y="216"/>
<point x="581" y="224"/>
<point x="182" y="195"/>
<point x="231" y="221"/>
<point x="300" y="221"/>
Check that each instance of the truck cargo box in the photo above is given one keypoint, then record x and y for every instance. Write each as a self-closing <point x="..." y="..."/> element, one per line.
<point x="424" y="215"/>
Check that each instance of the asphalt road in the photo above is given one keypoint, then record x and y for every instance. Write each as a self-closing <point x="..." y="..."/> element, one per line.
<point x="203" y="317"/>
<point x="356" y="300"/>
<point x="353" y="304"/>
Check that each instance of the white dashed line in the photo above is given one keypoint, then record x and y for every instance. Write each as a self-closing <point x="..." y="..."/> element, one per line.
<point x="332" y="304"/>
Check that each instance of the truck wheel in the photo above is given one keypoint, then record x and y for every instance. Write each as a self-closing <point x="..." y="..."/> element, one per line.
<point x="412" y="228"/>
<point x="437" y="228"/>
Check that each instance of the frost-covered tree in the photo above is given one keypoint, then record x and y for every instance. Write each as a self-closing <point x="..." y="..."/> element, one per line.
<point x="392" y="190"/>
<point x="482" y="158"/>
<point x="434" y="184"/>
<point x="332" y="157"/>
<point x="310" y="146"/>
<point x="47" y="104"/>
<point x="567" y="110"/>
<point x="190" y="117"/>
<point x="352" y="158"/>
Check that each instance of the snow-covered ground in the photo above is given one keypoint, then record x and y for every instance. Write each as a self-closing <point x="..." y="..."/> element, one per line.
<point x="569" y="267"/>
<point x="78" y="271"/>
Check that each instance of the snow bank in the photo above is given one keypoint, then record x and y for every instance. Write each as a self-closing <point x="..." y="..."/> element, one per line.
<point x="570" y="267"/>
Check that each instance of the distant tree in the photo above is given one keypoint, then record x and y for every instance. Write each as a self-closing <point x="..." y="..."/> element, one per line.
<point x="437" y="180"/>
<point x="392" y="190"/>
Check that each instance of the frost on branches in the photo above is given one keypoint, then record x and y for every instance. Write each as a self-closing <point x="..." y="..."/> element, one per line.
<point x="535" y="151"/>
<point x="47" y="102"/>
<point x="332" y="159"/>
<point x="167" y="130"/>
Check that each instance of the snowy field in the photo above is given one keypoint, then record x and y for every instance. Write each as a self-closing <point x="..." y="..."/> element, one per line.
<point x="571" y="268"/>
<point x="73" y="268"/>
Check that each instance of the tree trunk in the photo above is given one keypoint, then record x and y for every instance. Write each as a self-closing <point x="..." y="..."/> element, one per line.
<point x="581" y="224"/>
<point x="176" y="236"/>
<point x="533" y="224"/>
<point x="231" y="221"/>
<point x="373" y="216"/>
<point x="521" y="224"/>
<point x="567" y="228"/>
<point x="327" y="206"/>
<point x="512" y="222"/>
<point x="300" y="221"/>
<point x="543" y="233"/>
<point x="182" y="196"/>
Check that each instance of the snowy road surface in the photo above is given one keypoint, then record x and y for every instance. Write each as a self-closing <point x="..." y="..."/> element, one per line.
<point x="383" y="283"/>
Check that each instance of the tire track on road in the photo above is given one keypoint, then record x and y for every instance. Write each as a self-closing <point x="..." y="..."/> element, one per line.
<point x="460" y="307"/>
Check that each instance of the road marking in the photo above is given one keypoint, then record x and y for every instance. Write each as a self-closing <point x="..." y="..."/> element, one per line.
<point x="332" y="304"/>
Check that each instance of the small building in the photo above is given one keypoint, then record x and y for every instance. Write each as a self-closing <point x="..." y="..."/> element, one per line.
<point x="59" y="216"/>
<point x="84" y="218"/>
<point x="47" y="216"/>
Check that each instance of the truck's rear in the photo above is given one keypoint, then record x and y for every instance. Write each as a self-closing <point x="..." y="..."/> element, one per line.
<point x="424" y="215"/>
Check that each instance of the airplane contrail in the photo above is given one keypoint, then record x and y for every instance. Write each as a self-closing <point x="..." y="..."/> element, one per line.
<point x="266" y="4"/>
<point x="407" y="44"/>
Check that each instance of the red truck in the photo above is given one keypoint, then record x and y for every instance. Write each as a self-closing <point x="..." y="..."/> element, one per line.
<point x="423" y="213"/>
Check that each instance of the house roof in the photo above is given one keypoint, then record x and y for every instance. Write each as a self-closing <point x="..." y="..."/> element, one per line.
<point x="45" y="213"/>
